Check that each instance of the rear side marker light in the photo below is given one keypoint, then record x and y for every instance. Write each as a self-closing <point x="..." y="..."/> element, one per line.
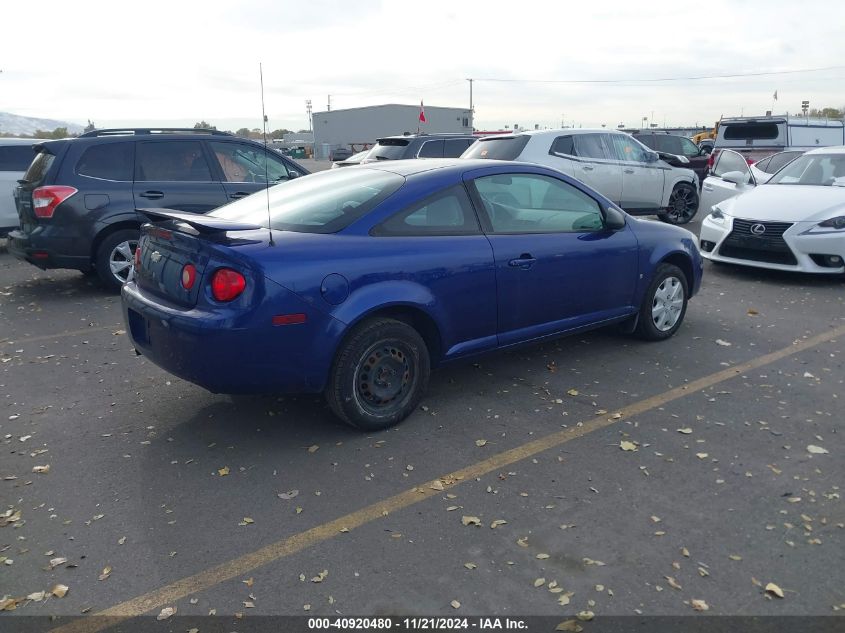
<point x="189" y="276"/>
<point x="227" y="284"/>
<point x="41" y="255"/>
<point x="289" y="319"/>
<point x="46" y="199"/>
<point x="138" y="256"/>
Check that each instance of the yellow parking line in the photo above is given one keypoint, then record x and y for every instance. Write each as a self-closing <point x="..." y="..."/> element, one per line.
<point x="298" y="542"/>
<point x="49" y="337"/>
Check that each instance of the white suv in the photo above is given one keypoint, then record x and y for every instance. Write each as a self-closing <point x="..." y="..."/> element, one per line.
<point x="613" y="163"/>
<point x="15" y="156"/>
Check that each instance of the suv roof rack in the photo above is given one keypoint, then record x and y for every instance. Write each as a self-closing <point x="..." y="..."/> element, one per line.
<point x="153" y="130"/>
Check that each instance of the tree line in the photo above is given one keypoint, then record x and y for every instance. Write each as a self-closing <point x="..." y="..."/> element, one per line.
<point x="62" y="132"/>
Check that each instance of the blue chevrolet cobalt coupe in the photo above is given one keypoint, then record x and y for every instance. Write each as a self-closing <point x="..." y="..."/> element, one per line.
<point x="356" y="282"/>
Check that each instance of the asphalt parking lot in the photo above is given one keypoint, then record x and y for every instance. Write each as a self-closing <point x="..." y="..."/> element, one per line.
<point x="596" y="473"/>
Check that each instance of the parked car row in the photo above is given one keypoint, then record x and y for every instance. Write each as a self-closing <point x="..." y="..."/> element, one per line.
<point x="16" y="155"/>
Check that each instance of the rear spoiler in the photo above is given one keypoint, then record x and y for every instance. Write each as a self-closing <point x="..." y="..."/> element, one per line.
<point x="202" y="223"/>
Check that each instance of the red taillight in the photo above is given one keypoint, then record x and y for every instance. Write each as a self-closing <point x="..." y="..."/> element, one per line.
<point x="189" y="276"/>
<point x="227" y="284"/>
<point x="750" y="161"/>
<point x="46" y="199"/>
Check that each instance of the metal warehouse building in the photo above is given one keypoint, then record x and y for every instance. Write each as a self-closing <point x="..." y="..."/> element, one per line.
<point x="356" y="127"/>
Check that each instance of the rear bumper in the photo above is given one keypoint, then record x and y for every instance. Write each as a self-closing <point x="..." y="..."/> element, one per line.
<point x="29" y="248"/>
<point x="234" y="355"/>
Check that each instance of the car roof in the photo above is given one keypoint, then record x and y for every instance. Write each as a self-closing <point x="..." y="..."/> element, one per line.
<point x="21" y="141"/>
<point x="435" y="135"/>
<point x="557" y="132"/>
<point x="835" y="149"/>
<point x="413" y="166"/>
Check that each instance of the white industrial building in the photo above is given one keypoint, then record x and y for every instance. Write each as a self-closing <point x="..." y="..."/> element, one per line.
<point x="357" y="128"/>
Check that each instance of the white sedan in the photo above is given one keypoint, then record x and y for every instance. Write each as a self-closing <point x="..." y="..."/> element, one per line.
<point x="795" y="221"/>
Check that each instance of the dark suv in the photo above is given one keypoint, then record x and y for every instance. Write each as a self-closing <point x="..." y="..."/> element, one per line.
<point x="419" y="146"/>
<point x="670" y="146"/>
<point x="79" y="201"/>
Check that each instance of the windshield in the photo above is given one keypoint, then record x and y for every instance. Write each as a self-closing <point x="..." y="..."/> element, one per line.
<point x="321" y="203"/>
<point x="822" y="170"/>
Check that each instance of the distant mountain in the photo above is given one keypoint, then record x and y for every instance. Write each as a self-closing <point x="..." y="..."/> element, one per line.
<point x="16" y="124"/>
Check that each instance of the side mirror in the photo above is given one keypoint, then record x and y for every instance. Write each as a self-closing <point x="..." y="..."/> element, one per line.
<point x="652" y="157"/>
<point x="614" y="219"/>
<point x="292" y="173"/>
<point x="736" y="177"/>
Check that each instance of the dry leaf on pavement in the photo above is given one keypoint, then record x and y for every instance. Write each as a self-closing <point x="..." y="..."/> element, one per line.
<point x="60" y="591"/>
<point x="817" y="450"/>
<point x="166" y="613"/>
<point x="223" y="471"/>
<point x="699" y="605"/>
<point x="467" y="520"/>
<point x="625" y="445"/>
<point x="773" y="589"/>
<point x="569" y="625"/>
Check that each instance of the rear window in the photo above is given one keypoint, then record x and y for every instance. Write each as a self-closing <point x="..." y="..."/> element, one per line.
<point x="752" y="131"/>
<point x="16" y="157"/>
<point x="320" y="203"/>
<point x="389" y="148"/>
<point x="498" y="147"/>
<point x="39" y="167"/>
<point x="108" y="161"/>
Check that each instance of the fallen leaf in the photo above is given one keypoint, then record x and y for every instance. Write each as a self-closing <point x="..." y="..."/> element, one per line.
<point x="572" y="392"/>
<point x="497" y="523"/>
<point x="655" y="519"/>
<point x="8" y="604"/>
<point x="249" y="581"/>
<point x="702" y="455"/>
<point x="772" y="588"/>
<point x="105" y="573"/>
<point x="121" y="540"/>
<point x="43" y="470"/>
<point x="699" y="605"/>
<point x="321" y="576"/>
<point x="625" y="445"/>
<point x="722" y="343"/>
<point x="480" y="442"/>
<point x="569" y="625"/>
<point x="223" y="471"/>
<point x="290" y="494"/>
<point x="55" y="562"/>
<point x="685" y="431"/>
<point x="38" y="596"/>
<point x="539" y="582"/>
<point x="752" y="312"/>
<point x="455" y="604"/>
<point x="590" y="561"/>
<point x="673" y="583"/>
<point x="565" y="598"/>
<point x="313" y="448"/>
<point x="522" y="542"/>
<point x="542" y="556"/>
<point x="166" y="613"/>
<point x="247" y="521"/>
<point x="685" y="552"/>
<point x="436" y="485"/>
<point x="60" y="591"/>
<point x="467" y="520"/>
<point x="815" y="450"/>
<point x="585" y="616"/>
<point x="470" y="565"/>
<point x="735" y="557"/>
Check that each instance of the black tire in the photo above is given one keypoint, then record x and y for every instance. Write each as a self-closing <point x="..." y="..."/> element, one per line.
<point x="113" y="246"/>
<point x="683" y="204"/>
<point x="668" y="281"/>
<point x="369" y="402"/>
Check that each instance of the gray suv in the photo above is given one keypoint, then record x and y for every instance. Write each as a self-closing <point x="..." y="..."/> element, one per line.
<point x="419" y="146"/>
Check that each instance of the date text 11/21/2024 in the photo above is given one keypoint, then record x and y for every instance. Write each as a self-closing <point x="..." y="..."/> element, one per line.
<point x="419" y="623"/>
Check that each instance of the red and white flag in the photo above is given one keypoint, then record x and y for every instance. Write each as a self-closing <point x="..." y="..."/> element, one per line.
<point x="422" y="113"/>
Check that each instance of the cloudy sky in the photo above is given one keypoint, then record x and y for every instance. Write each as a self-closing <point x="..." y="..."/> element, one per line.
<point x="534" y="62"/>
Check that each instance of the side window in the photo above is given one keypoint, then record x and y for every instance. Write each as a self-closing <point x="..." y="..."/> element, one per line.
<point x="240" y="162"/>
<point x="16" y="157"/>
<point x="650" y="140"/>
<point x="107" y="161"/>
<point x="448" y="212"/>
<point x="779" y="160"/>
<point x="563" y="145"/>
<point x="431" y="149"/>
<point x="688" y="148"/>
<point x="670" y="144"/>
<point x="730" y="161"/>
<point x="456" y="146"/>
<point x="626" y="149"/>
<point x="550" y="206"/>
<point x="171" y="161"/>
<point x="590" y="146"/>
<point x="763" y="165"/>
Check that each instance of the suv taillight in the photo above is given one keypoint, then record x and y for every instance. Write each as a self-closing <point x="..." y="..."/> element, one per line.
<point x="712" y="158"/>
<point x="227" y="284"/>
<point x="46" y="199"/>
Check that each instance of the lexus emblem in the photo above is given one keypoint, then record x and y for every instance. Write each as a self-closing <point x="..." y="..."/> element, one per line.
<point x="156" y="256"/>
<point x="756" y="229"/>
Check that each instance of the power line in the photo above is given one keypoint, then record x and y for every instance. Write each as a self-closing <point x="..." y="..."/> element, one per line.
<point x="661" y="79"/>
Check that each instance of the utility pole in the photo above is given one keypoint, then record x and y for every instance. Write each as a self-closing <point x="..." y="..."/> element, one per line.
<point x="308" y="110"/>
<point x="471" y="110"/>
<point x="329" y="107"/>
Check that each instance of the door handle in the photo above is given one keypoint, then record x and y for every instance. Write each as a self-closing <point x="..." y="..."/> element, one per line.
<point x="152" y="195"/>
<point x="239" y="194"/>
<point x="628" y="170"/>
<point x="524" y="261"/>
<point x="587" y="167"/>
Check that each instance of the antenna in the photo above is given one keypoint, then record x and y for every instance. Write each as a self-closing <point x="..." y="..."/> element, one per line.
<point x="266" y="155"/>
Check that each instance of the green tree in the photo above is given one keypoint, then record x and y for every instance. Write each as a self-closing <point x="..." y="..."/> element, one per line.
<point x="243" y="132"/>
<point x="828" y="113"/>
<point x="202" y="125"/>
<point x="279" y="133"/>
<point x="59" y="132"/>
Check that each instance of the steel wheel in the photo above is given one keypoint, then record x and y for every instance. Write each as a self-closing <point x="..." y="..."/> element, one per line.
<point x="667" y="304"/>
<point x="383" y="376"/>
